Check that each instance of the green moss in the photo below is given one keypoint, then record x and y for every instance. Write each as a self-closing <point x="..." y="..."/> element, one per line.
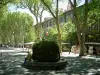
<point x="46" y="51"/>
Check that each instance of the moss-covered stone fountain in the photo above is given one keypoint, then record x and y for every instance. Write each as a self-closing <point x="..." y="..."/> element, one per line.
<point x="46" y="56"/>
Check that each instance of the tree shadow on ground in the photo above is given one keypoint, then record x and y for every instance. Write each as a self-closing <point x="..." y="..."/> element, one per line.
<point x="81" y="65"/>
<point x="11" y="65"/>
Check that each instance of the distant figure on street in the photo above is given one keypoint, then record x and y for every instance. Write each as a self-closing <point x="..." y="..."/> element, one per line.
<point x="75" y="49"/>
<point x="27" y="58"/>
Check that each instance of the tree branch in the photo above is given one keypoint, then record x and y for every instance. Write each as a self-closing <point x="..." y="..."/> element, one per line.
<point x="85" y="15"/>
<point x="48" y="8"/>
<point x="71" y="3"/>
<point x="57" y="9"/>
<point x="2" y="3"/>
<point x="86" y="12"/>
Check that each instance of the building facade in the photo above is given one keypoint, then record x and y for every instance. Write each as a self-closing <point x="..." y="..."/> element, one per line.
<point x="90" y="37"/>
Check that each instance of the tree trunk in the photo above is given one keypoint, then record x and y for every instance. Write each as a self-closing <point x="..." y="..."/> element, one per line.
<point x="59" y="36"/>
<point x="56" y="21"/>
<point x="83" y="47"/>
<point x="41" y="22"/>
<point x="58" y="29"/>
<point x="80" y="29"/>
<point x="37" y="29"/>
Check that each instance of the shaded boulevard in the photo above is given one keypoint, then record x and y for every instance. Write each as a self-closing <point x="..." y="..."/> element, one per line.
<point x="11" y="60"/>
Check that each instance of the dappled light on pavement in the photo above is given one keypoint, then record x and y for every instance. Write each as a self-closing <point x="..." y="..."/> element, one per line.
<point x="11" y="64"/>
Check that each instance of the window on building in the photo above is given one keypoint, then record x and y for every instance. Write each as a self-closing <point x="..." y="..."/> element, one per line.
<point x="66" y="17"/>
<point x="47" y="24"/>
<point x="50" y="23"/>
<point x="42" y="25"/>
<point x="61" y="19"/>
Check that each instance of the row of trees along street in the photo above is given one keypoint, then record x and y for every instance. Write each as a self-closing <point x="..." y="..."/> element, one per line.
<point x="81" y="18"/>
<point x="15" y="27"/>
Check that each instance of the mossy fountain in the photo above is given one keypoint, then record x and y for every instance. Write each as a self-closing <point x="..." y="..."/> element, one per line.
<point x="46" y="56"/>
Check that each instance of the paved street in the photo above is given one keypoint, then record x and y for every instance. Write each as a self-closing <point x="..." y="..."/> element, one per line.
<point x="11" y="60"/>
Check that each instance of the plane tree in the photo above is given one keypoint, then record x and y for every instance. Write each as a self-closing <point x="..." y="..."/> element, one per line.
<point x="37" y="9"/>
<point x="80" y="21"/>
<point x="52" y="7"/>
<point x="16" y="27"/>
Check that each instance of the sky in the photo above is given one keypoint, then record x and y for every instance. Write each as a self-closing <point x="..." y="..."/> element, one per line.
<point x="62" y="4"/>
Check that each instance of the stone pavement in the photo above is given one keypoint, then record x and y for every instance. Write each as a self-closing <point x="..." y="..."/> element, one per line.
<point x="12" y="59"/>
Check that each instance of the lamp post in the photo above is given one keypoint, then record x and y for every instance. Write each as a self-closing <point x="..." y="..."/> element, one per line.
<point x="13" y="39"/>
<point x="23" y="38"/>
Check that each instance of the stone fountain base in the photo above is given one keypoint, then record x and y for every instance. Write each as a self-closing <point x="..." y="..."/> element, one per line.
<point x="61" y="64"/>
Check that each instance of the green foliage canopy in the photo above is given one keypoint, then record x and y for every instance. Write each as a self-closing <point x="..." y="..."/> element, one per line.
<point x="16" y="28"/>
